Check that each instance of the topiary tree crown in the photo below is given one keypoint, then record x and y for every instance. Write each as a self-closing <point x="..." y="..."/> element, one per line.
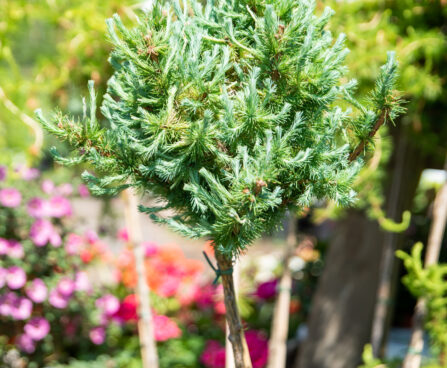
<point x="229" y="114"/>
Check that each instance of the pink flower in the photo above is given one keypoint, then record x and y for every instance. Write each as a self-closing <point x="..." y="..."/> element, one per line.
<point x="58" y="300"/>
<point x="205" y="296"/>
<point x="83" y="191"/>
<point x="16" y="277"/>
<point x="21" y="309"/>
<point x="213" y="355"/>
<point x="165" y="328"/>
<point x="59" y="207"/>
<point x="82" y="282"/>
<point x="29" y="173"/>
<point x="123" y="235"/>
<point x="169" y="286"/>
<point x="73" y="244"/>
<point x="10" y="197"/>
<point x="37" y="207"/>
<point x="66" y="286"/>
<point x="97" y="335"/>
<point x="3" y="172"/>
<point x="37" y="291"/>
<point x="65" y="189"/>
<point x="15" y="249"/>
<point x="42" y="231"/>
<point x="109" y="304"/>
<point x="25" y="343"/>
<point x="151" y="249"/>
<point x="266" y="290"/>
<point x="4" y="246"/>
<point x="47" y="186"/>
<point x="37" y="328"/>
<point x="91" y="236"/>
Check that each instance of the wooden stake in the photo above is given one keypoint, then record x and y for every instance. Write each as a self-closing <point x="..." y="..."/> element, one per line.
<point x="280" y="323"/>
<point x="145" y="322"/>
<point x="414" y="355"/>
<point x="229" y="356"/>
<point x="236" y="336"/>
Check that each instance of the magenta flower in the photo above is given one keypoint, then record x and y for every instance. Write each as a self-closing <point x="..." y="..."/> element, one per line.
<point x="4" y="246"/>
<point x="15" y="277"/>
<point x="47" y="186"/>
<point x="57" y="300"/>
<point x="21" y="309"/>
<point x="97" y="335"/>
<point x="25" y="343"/>
<point x="7" y="302"/>
<point x="73" y="244"/>
<point x="109" y="304"/>
<point x="165" y="328"/>
<point x="66" y="286"/>
<point x="42" y="231"/>
<point x="3" y="172"/>
<point x="82" y="282"/>
<point x="37" y="291"/>
<point x="267" y="290"/>
<point x="83" y="191"/>
<point x="59" y="207"/>
<point x="15" y="249"/>
<point x="37" y="328"/>
<point x="258" y="346"/>
<point x="213" y="355"/>
<point x="10" y="197"/>
<point x="150" y="249"/>
<point x="37" y="207"/>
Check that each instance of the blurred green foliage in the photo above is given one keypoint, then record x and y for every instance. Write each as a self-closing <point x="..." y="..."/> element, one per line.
<point x="429" y="283"/>
<point x="416" y="30"/>
<point x="49" y="49"/>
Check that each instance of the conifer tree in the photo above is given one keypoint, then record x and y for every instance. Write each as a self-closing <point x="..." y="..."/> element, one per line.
<point x="229" y="114"/>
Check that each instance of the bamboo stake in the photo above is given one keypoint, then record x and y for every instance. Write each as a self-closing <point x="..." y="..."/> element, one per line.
<point x="145" y="322"/>
<point x="236" y="336"/>
<point x="414" y="355"/>
<point x="229" y="356"/>
<point x="280" y="323"/>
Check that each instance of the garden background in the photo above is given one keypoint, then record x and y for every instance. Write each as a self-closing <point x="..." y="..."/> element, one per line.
<point x="67" y="271"/>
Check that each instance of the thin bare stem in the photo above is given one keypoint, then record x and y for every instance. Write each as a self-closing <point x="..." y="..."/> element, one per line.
<point x="236" y="336"/>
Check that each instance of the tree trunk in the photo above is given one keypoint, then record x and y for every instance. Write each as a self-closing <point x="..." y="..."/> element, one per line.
<point x="414" y="355"/>
<point x="280" y="323"/>
<point x="343" y="304"/>
<point x="339" y="324"/>
<point x="148" y="347"/>
<point x="236" y="336"/>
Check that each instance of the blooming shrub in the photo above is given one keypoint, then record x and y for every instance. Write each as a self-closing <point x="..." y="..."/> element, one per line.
<point x="46" y="298"/>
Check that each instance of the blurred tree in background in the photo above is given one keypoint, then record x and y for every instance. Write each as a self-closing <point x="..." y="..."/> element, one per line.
<point x="345" y="300"/>
<point x="49" y="49"/>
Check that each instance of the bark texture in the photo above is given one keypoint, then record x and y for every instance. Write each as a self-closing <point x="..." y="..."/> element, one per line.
<point x="236" y="336"/>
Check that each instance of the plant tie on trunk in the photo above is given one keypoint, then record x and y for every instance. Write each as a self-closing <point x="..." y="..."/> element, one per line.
<point x="217" y="271"/>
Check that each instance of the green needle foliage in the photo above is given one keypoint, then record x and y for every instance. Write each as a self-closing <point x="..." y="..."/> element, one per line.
<point x="229" y="114"/>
